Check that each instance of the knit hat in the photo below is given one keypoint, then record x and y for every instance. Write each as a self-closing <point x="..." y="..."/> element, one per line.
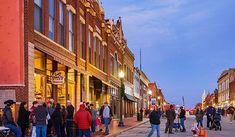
<point x="82" y="106"/>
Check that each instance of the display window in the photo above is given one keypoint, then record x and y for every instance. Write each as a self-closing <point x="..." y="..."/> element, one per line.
<point x="61" y="88"/>
<point x="71" y="85"/>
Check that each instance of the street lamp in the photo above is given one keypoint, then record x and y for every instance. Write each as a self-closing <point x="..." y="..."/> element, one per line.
<point x="121" y="94"/>
<point x="158" y="100"/>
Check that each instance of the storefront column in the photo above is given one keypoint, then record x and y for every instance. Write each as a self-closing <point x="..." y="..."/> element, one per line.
<point x="87" y="87"/>
<point x="31" y="82"/>
<point x="78" y="91"/>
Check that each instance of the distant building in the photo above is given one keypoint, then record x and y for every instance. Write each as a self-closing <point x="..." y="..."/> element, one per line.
<point x="137" y="89"/>
<point x="226" y="88"/>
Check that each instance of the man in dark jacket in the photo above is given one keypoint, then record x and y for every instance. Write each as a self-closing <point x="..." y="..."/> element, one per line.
<point x="41" y="117"/>
<point x="155" y="122"/>
<point x="70" y="110"/>
<point x="23" y="118"/>
<point x="56" y="118"/>
<point x="170" y="115"/>
<point x="8" y="120"/>
<point x="182" y="118"/>
<point x="210" y="112"/>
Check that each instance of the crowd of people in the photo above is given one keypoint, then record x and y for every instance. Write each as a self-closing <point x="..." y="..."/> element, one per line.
<point x="47" y="119"/>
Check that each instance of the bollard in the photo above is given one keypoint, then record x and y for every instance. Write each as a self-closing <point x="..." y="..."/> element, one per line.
<point x="205" y="134"/>
<point x="201" y="131"/>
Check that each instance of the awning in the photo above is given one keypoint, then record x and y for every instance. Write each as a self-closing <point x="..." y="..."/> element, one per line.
<point x="129" y="97"/>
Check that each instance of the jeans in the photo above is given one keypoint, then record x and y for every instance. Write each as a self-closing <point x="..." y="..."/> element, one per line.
<point x="169" y="124"/>
<point x="200" y="122"/>
<point x="14" y="129"/>
<point x="85" y="132"/>
<point x="182" y="122"/>
<point x="41" y="130"/>
<point x="57" y="130"/>
<point x="33" y="131"/>
<point x="106" y="123"/>
<point x="93" y="126"/>
<point x="157" y="127"/>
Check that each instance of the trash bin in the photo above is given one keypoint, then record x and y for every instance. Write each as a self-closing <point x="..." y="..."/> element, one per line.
<point x="139" y="117"/>
<point x="71" y="127"/>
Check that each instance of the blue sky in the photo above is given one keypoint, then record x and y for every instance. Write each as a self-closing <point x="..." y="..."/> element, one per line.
<point x="186" y="44"/>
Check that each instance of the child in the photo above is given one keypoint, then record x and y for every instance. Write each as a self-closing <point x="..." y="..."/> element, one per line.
<point x="98" y="123"/>
<point x="195" y="130"/>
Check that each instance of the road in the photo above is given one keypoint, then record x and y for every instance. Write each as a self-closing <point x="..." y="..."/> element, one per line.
<point x="142" y="130"/>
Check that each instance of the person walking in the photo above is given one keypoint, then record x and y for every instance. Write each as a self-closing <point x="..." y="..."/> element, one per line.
<point x="170" y="115"/>
<point x="8" y="120"/>
<point x="64" y="117"/>
<point x="199" y="117"/>
<point x="83" y="120"/>
<point x="50" y="109"/>
<point x="154" y="119"/>
<point x="106" y="117"/>
<point x="231" y="111"/>
<point x="70" y="110"/>
<point x="182" y="118"/>
<point x="210" y="112"/>
<point x="23" y="118"/>
<point x="56" y="118"/>
<point x="32" y="118"/>
<point x="94" y="116"/>
<point x="41" y="118"/>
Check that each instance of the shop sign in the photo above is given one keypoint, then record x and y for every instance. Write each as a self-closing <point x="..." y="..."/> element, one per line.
<point x="58" y="78"/>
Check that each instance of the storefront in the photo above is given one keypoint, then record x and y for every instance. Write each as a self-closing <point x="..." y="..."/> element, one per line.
<point x="53" y="80"/>
<point x="114" y="100"/>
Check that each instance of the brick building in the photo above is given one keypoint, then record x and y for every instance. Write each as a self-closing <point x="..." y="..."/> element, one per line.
<point x="226" y="88"/>
<point x="63" y="50"/>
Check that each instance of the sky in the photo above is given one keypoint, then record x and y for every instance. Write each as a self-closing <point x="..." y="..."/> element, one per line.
<point x="186" y="44"/>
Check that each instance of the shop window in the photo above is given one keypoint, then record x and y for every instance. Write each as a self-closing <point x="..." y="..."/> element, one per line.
<point x="71" y="85"/>
<point x="39" y="86"/>
<point x="61" y="22"/>
<point x="51" y="19"/>
<point x="49" y="94"/>
<point x="39" y="60"/>
<point x="61" y="89"/>
<point x="71" y="32"/>
<point x="38" y="15"/>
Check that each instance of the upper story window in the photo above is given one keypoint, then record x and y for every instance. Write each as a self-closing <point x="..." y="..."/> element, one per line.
<point x="61" y="22"/>
<point x="51" y="19"/>
<point x="38" y="15"/>
<point x="99" y="48"/>
<point x="104" y="58"/>
<point x="95" y="42"/>
<point x="82" y="39"/>
<point x="90" y="45"/>
<point x="71" y="32"/>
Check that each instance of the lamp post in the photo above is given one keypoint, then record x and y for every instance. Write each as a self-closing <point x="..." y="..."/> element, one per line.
<point x="121" y="94"/>
<point x="158" y="98"/>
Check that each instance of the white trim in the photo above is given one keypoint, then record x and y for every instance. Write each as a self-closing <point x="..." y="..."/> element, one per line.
<point x="104" y="43"/>
<point x="82" y="20"/>
<point x="64" y="1"/>
<point x="13" y="85"/>
<point x="95" y="34"/>
<point x="98" y="29"/>
<point x="71" y="8"/>
<point x="90" y="28"/>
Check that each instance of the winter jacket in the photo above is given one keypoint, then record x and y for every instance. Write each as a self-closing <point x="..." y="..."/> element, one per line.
<point x="93" y="113"/>
<point x="70" y="110"/>
<point x="83" y="119"/>
<point x="40" y="115"/>
<point x="23" y="117"/>
<point x="170" y="114"/>
<point x="56" y="117"/>
<point x="231" y="110"/>
<point x="7" y="117"/>
<point x="199" y="115"/>
<point x="182" y="113"/>
<point x="210" y="111"/>
<point x="154" y="117"/>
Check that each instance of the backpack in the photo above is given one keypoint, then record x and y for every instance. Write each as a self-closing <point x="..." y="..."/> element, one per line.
<point x="231" y="110"/>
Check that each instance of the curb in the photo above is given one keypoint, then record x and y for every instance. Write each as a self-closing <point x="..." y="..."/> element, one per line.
<point x="126" y="129"/>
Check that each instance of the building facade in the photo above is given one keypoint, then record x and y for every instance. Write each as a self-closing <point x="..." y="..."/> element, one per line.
<point x="137" y="89"/>
<point x="63" y="50"/>
<point x="144" y="90"/>
<point x="226" y="88"/>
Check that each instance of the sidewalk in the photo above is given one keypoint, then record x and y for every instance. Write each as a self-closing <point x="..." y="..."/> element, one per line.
<point x="115" y="130"/>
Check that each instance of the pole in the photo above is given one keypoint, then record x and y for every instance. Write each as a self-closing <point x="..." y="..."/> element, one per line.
<point x="121" y="124"/>
<point x="140" y="60"/>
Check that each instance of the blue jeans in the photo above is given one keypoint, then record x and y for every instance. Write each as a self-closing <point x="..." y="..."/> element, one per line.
<point x="93" y="126"/>
<point x="14" y="129"/>
<point x="157" y="127"/>
<point x="200" y="122"/>
<point x="85" y="132"/>
<point x="57" y="130"/>
<point x="41" y="130"/>
<point x="106" y="123"/>
<point x="182" y="122"/>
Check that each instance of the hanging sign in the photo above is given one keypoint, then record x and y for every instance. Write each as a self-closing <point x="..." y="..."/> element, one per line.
<point x="58" y="78"/>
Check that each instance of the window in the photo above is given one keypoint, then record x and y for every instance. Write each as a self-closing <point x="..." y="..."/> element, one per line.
<point x="99" y="48"/>
<point x="111" y="65"/>
<point x="61" y="23"/>
<point x="71" y="32"/>
<point x="115" y="64"/>
<point x="95" y="42"/>
<point x="51" y="19"/>
<point x="82" y="44"/>
<point x="38" y="15"/>
<point x="104" y="57"/>
<point x="89" y="44"/>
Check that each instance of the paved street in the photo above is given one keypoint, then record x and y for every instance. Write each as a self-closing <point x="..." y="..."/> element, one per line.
<point x="142" y="130"/>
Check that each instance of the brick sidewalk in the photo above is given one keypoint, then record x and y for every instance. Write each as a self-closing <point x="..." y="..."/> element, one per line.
<point x="115" y="130"/>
